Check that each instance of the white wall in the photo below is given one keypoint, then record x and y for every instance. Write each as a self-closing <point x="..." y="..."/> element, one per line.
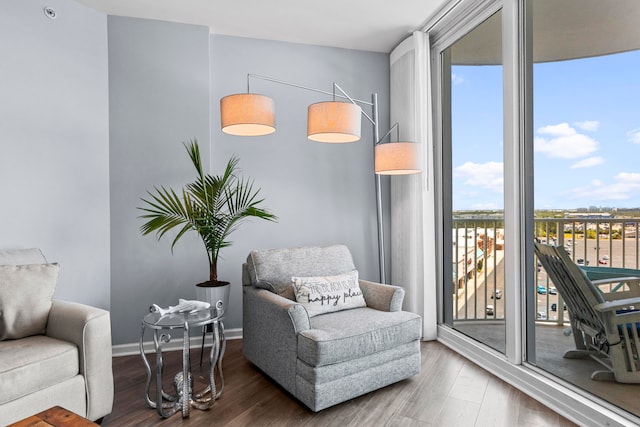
<point x="159" y="97"/>
<point x="54" y="141"/>
<point x="93" y="111"/>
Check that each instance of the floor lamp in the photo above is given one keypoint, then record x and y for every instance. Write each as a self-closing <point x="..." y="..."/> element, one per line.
<point x="249" y="114"/>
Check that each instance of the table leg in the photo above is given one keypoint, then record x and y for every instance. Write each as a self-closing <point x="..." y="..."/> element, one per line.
<point x="223" y="347"/>
<point x="186" y="374"/>
<point x="158" y="339"/>
<point x="147" y="367"/>
<point x="215" y="362"/>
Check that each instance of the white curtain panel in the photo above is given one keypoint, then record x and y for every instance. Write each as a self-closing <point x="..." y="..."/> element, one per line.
<point x="412" y="199"/>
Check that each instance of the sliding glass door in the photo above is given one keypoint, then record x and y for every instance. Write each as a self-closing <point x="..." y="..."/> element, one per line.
<point x="537" y="134"/>
<point x="473" y="184"/>
<point x="586" y="124"/>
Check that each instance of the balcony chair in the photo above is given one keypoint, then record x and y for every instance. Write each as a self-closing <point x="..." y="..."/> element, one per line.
<point x="606" y="326"/>
<point x="324" y="354"/>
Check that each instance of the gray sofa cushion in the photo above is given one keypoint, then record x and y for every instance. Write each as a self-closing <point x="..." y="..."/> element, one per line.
<point x="272" y="269"/>
<point x="33" y="364"/>
<point x="369" y="331"/>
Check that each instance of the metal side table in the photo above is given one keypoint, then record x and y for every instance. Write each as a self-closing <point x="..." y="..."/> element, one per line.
<point x="184" y="398"/>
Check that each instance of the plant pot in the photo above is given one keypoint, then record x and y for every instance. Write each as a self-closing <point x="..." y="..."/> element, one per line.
<point x="212" y="293"/>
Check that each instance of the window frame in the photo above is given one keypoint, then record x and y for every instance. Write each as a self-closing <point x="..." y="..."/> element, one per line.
<point x="450" y="24"/>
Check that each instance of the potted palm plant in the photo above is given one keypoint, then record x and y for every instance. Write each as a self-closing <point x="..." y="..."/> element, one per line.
<point x="213" y="207"/>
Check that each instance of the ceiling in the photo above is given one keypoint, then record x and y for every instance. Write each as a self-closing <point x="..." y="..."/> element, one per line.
<point x="370" y="25"/>
<point x="566" y="29"/>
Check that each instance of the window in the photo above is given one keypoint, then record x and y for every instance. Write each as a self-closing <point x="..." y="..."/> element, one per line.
<point x="575" y="56"/>
<point x="473" y="186"/>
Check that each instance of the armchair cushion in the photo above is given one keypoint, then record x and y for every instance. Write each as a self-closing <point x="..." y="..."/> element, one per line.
<point x="326" y="294"/>
<point x="369" y="331"/>
<point x="35" y="363"/>
<point x="26" y="292"/>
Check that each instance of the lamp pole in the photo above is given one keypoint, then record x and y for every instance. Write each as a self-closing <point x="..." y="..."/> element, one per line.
<point x="376" y="138"/>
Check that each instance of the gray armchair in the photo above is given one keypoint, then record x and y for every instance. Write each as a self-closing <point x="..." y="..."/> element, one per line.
<point x="328" y="358"/>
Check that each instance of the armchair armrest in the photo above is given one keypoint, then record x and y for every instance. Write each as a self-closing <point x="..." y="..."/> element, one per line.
<point x="280" y="307"/>
<point x="610" y="275"/>
<point x="90" y="329"/>
<point x="632" y="282"/>
<point x="618" y="295"/>
<point x="270" y="328"/>
<point x="618" y="304"/>
<point x="382" y="297"/>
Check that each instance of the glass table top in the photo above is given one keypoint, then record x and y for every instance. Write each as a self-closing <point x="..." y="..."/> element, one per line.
<point x="177" y="320"/>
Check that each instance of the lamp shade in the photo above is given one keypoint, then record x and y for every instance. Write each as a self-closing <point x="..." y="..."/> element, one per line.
<point x="247" y="114"/>
<point x="398" y="158"/>
<point x="335" y="122"/>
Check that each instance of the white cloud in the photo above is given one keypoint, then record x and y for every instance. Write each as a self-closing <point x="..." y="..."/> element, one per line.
<point x="588" y="162"/>
<point x="485" y="175"/>
<point x="629" y="177"/>
<point x="561" y="129"/>
<point x="634" y="136"/>
<point x="564" y="142"/>
<point x="626" y="186"/>
<point x="588" y="125"/>
<point x="456" y="79"/>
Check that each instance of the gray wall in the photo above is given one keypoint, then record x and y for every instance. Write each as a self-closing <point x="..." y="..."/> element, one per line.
<point x="54" y="141"/>
<point x="159" y="97"/>
<point x="86" y="130"/>
<point x="322" y="193"/>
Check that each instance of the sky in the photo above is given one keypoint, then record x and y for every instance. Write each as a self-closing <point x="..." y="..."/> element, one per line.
<point x="586" y="134"/>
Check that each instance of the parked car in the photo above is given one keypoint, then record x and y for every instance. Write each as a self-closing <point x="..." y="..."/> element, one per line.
<point x="542" y="290"/>
<point x="554" y="307"/>
<point x="602" y="261"/>
<point x="489" y="310"/>
<point x="605" y="257"/>
<point x="553" y="291"/>
<point x="581" y="261"/>
<point x="497" y="294"/>
<point x="541" y="315"/>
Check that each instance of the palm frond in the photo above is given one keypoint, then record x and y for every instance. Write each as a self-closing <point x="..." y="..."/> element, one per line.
<point x="212" y="206"/>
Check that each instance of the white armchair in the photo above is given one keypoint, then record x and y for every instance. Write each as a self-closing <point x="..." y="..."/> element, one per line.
<point x="67" y="363"/>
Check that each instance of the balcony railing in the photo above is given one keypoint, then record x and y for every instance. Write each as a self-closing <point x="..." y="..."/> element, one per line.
<point x="478" y="267"/>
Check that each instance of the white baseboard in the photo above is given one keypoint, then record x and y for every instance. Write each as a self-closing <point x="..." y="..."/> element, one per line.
<point x="175" y="344"/>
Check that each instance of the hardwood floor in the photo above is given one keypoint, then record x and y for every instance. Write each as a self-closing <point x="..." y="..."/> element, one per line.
<point x="450" y="391"/>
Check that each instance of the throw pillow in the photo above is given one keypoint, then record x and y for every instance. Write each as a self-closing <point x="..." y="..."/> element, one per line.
<point x="26" y="292"/>
<point x="326" y="294"/>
